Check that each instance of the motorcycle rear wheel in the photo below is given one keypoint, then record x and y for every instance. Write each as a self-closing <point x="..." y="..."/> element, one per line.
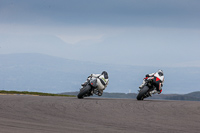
<point x="142" y="93"/>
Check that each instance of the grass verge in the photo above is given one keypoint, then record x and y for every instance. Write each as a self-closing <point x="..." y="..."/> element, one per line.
<point x="33" y="93"/>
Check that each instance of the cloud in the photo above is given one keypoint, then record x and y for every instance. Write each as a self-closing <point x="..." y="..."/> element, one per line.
<point x="157" y="13"/>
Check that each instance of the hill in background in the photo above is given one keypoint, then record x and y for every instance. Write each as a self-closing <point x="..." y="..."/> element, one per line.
<point x="43" y="73"/>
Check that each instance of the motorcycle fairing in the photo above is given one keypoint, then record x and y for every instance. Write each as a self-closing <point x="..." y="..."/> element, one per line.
<point x="93" y="83"/>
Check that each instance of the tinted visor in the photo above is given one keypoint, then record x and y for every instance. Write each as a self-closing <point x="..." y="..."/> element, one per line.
<point x="160" y="73"/>
<point x="105" y="74"/>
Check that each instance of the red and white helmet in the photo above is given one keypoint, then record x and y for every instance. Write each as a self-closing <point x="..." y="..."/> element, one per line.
<point x="160" y="72"/>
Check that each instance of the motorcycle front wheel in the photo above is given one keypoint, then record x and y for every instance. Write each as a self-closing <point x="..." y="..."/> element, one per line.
<point x="142" y="93"/>
<point x="84" y="92"/>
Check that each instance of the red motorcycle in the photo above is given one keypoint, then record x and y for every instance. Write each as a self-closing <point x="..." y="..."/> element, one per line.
<point x="151" y="84"/>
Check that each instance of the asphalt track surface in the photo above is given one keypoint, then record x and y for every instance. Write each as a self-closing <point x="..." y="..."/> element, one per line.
<point x="45" y="114"/>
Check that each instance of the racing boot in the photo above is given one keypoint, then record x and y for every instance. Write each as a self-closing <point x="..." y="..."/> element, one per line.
<point x="100" y="93"/>
<point x="153" y="92"/>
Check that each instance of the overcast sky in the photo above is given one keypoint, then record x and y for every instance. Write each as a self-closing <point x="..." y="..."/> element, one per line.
<point x="130" y="32"/>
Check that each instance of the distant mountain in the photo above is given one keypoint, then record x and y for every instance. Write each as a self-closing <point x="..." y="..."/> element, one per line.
<point x="194" y="96"/>
<point x="43" y="73"/>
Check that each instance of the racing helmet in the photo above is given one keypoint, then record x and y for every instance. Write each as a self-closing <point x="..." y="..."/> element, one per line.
<point x="105" y="74"/>
<point x="160" y="72"/>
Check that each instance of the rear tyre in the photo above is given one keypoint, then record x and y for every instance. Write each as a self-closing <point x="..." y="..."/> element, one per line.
<point x="84" y="92"/>
<point x="142" y="93"/>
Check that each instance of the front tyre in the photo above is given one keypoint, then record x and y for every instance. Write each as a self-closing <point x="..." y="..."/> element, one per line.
<point x="84" y="92"/>
<point x="142" y="93"/>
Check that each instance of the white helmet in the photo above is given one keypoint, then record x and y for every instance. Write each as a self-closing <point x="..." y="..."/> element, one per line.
<point x="160" y="72"/>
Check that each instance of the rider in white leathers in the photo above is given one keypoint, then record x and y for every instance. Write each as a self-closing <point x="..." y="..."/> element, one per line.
<point x="159" y="74"/>
<point x="102" y="81"/>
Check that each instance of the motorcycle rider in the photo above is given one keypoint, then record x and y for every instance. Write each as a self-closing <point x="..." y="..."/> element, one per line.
<point x="102" y="81"/>
<point x="159" y="74"/>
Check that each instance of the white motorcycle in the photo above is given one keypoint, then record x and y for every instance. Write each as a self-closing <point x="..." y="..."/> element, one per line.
<point x="89" y="89"/>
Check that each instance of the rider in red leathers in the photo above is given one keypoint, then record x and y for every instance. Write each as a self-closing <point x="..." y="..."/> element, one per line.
<point x="160" y="75"/>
